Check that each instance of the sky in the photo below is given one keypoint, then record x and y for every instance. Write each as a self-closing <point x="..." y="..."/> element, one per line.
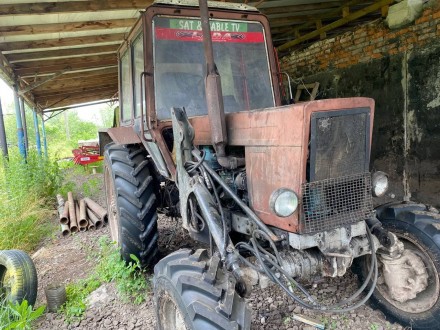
<point x="87" y="113"/>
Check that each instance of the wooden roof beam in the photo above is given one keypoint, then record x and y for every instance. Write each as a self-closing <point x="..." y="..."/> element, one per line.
<point x="37" y="69"/>
<point x="77" y="91"/>
<point x="78" y="75"/>
<point x="61" y="53"/>
<point x="79" y="81"/>
<point x="311" y="23"/>
<point x="299" y="8"/>
<point x="42" y="82"/>
<point x="69" y="99"/>
<point x="65" y="27"/>
<point x="351" y="17"/>
<point x="9" y="76"/>
<point x="71" y="6"/>
<point x="301" y="19"/>
<point x="62" y="42"/>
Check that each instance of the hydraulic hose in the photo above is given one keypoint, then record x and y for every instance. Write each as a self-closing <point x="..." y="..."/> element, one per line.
<point x="264" y="260"/>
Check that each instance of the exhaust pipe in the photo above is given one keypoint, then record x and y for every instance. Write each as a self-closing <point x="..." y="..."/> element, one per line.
<point x="214" y="97"/>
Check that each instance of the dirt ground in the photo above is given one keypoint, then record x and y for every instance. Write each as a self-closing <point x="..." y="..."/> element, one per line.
<point x="63" y="260"/>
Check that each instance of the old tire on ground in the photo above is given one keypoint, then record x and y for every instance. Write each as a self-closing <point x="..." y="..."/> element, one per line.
<point x="419" y="231"/>
<point x="192" y="292"/>
<point x="18" y="277"/>
<point x="131" y="202"/>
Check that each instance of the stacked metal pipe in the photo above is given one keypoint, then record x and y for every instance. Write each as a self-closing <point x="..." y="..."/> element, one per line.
<point x="81" y="215"/>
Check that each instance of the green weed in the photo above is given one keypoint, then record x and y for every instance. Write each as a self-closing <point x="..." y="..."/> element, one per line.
<point x="18" y="316"/>
<point x="26" y="200"/>
<point x="129" y="278"/>
<point x="76" y="296"/>
<point x="91" y="187"/>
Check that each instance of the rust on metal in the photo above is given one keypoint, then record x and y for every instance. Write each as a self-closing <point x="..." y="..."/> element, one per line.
<point x="64" y="217"/>
<point x="65" y="230"/>
<point x="274" y="136"/>
<point x="123" y="135"/>
<point x="97" y="223"/>
<point x="82" y="219"/>
<point x="149" y="118"/>
<point x="100" y="212"/>
<point x="72" y="213"/>
<point x="90" y="225"/>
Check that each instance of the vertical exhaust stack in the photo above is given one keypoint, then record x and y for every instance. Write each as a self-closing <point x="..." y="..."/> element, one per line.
<point x="214" y="97"/>
<point x="213" y="88"/>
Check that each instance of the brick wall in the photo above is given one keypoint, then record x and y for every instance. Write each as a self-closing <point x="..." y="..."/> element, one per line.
<point x="366" y="43"/>
<point x="400" y="70"/>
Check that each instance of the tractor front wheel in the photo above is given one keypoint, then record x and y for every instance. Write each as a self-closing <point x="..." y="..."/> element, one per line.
<point x="407" y="289"/>
<point x="192" y="292"/>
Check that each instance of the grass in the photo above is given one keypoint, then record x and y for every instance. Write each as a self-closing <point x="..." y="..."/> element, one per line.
<point x="18" y="316"/>
<point x="26" y="200"/>
<point x="129" y="278"/>
<point x="90" y="188"/>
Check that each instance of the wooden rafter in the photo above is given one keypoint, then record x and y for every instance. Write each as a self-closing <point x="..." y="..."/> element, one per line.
<point x="63" y="85"/>
<point x="307" y="25"/>
<point x="301" y="19"/>
<point x="351" y="17"/>
<point x="71" y="6"/>
<point x="76" y="91"/>
<point x="62" y="42"/>
<point x="74" y="99"/>
<point x="57" y="53"/>
<point x="77" y="63"/>
<point x="299" y="8"/>
<point x="65" y="27"/>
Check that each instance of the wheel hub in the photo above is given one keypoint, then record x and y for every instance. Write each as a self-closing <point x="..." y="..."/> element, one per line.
<point x="405" y="276"/>
<point x="170" y="315"/>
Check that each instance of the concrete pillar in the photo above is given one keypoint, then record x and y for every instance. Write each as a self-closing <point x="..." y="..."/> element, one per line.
<point x="37" y="132"/>
<point x="43" y="132"/>
<point x="20" y="133"/>
<point x="23" y="120"/>
<point x="3" y="142"/>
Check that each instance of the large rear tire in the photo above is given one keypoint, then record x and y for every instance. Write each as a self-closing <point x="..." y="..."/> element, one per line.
<point x="131" y="202"/>
<point x="419" y="231"/>
<point x="18" y="277"/>
<point x="192" y="292"/>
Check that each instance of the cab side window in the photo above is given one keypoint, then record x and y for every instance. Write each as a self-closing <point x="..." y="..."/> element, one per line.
<point x="138" y="68"/>
<point x="125" y="87"/>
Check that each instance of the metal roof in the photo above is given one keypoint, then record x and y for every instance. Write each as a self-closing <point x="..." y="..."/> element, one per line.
<point x="64" y="52"/>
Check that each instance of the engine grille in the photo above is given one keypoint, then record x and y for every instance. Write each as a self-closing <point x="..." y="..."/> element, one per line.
<point x="339" y="143"/>
<point x="330" y="203"/>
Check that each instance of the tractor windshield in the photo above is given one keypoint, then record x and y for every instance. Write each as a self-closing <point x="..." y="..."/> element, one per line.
<point x="179" y="65"/>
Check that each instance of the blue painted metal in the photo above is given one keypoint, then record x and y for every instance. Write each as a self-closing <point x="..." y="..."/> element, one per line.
<point x="3" y="141"/>
<point x="37" y="132"/>
<point x="24" y="123"/>
<point x="43" y="132"/>
<point x="20" y="133"/>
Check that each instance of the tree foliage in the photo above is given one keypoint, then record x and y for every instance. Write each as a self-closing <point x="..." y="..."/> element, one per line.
<point x="63" y="131"/>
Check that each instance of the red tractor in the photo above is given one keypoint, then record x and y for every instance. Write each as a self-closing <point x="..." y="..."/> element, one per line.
<point x="278" y="193"/>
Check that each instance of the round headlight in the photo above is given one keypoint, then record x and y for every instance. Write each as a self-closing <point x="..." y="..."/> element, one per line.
<point x="283" y="202"/>
<point x="379" y="181"/>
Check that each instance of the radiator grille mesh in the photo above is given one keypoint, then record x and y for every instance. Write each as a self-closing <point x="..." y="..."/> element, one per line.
<point x="330" y="203"/>
<point x="340" y="145"/>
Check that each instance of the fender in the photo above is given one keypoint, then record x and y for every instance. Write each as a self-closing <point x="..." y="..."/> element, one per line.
<point x="123" y="135"/>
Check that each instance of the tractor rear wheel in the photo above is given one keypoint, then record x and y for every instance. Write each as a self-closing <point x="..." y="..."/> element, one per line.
<point x="419" y="231"/>
<point x="131" y="202"/>
<point x="192" y="292"/>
